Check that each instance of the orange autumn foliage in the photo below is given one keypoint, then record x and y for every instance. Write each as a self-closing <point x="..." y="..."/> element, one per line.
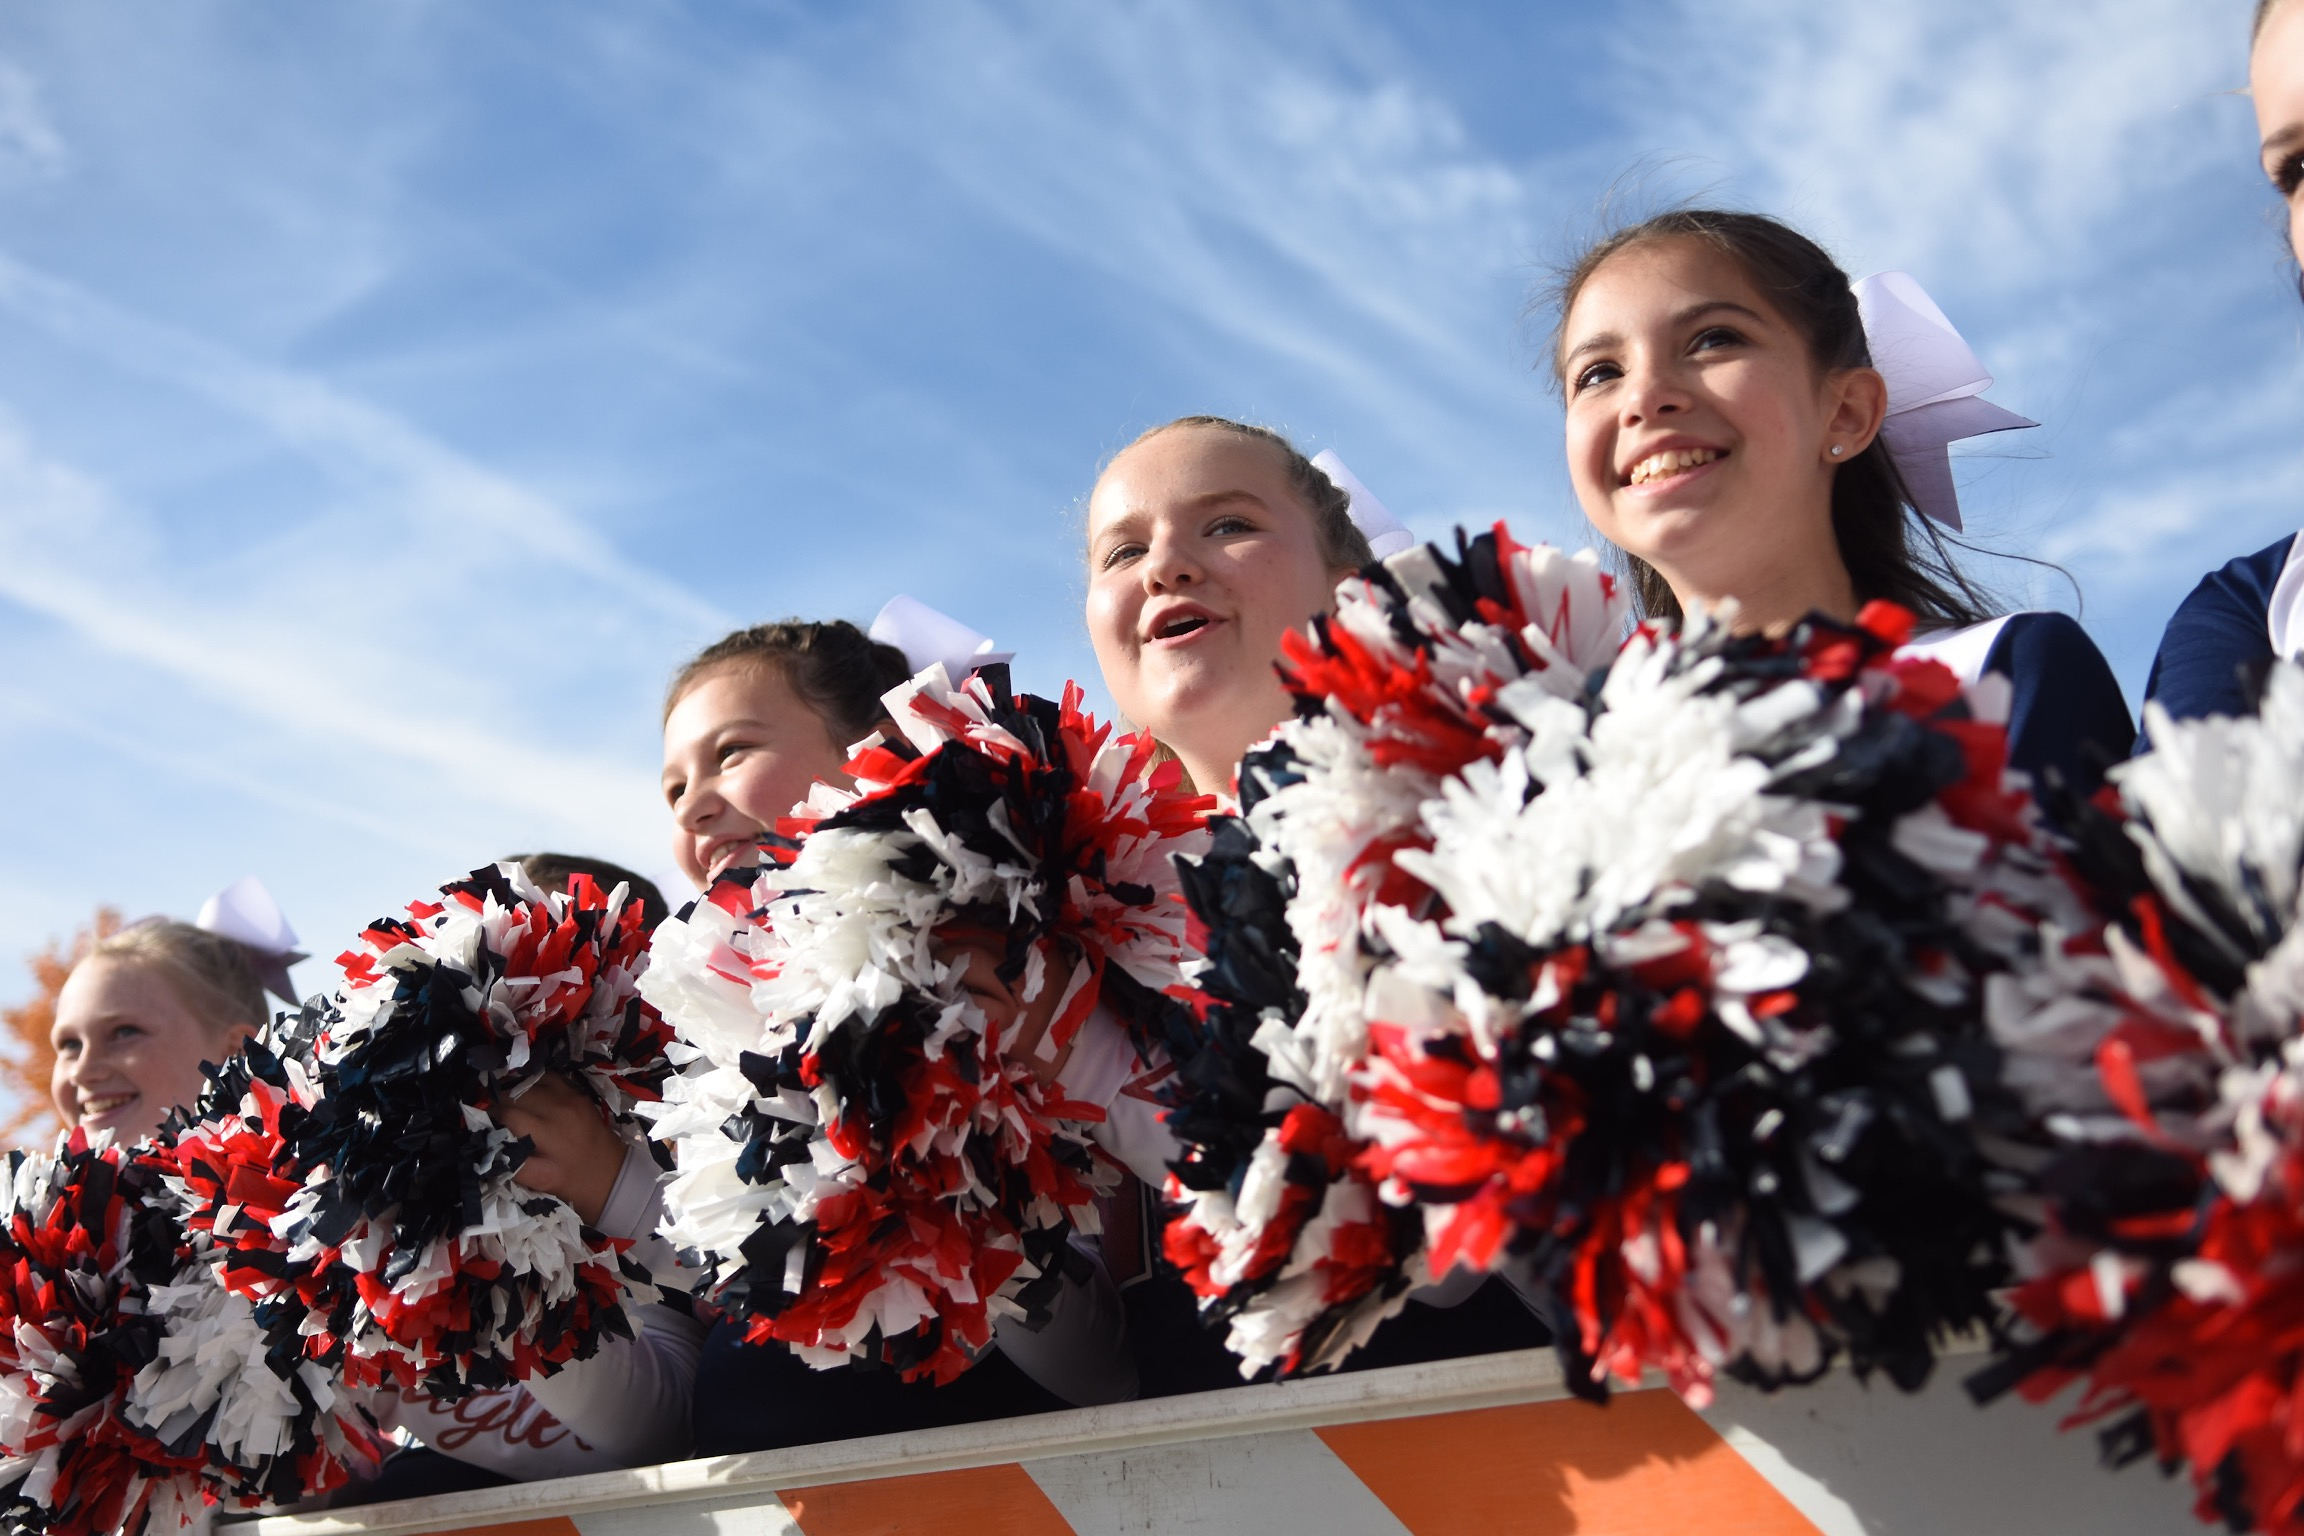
<point x="25" y="1055"/>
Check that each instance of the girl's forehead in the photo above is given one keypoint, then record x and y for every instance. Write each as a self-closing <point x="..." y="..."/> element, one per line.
<point x="1666" y="274"/>
<point x="107" y="985"/>
<point x="1183" y="463"/>
<point x="750" y="686"/>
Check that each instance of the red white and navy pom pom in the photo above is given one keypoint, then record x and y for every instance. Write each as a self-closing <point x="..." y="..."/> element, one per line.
<point x="1697" y="1046"/>
<point x="463" y="1279"/>
<point x="1659" y="1003"/>
<point x="2162" y="1056"/>
<point x="870" y="1166"/>
<point x="252" y="1374"/>
<point x="1281" y="1233"/>
<point x="86" y="1236"/>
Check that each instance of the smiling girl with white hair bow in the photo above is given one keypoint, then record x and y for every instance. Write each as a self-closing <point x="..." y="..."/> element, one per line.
<point x="1746" y="425"/>
<point x="146" y="1006"/>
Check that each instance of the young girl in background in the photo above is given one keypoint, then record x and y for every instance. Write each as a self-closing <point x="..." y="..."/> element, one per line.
<point x="749" y="725"/>
<point x="141" y="1012"/>
<point x="1208" y="540"/>
<point x="755" y="719"/>
<point x="1724" y="432"/>
<point x="2243" y="617"/>
<point x="137" y="1017"/>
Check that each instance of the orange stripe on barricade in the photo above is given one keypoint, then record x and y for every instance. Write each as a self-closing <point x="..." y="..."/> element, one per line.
<point x="1645" y="1465"/>
<point x="981" y="1501"/>
<point x="555" y="1525"/>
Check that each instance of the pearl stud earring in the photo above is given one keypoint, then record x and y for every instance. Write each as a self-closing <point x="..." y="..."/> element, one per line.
<point x="1838" y="450"/>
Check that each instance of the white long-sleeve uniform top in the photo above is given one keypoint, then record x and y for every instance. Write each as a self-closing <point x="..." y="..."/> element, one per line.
<point x="627" y="1406"/>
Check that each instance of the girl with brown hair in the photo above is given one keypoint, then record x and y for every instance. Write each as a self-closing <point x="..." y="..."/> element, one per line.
<point x="1730" y="432"/>
<point x="751" y="724"/>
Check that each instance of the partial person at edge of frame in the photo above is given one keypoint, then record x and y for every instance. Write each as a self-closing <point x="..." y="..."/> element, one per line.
<point x="2242" y="617"/>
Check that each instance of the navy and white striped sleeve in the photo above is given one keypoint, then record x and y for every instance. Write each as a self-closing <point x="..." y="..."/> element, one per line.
<point x="2067" y="711"/>
<point x="2216" y="650"/>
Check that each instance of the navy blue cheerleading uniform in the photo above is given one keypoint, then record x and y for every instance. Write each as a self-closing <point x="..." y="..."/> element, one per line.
<point x="2065" y="710"/>
<point x="2226" y="635"/>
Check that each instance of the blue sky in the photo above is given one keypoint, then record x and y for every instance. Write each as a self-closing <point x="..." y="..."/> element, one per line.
<point x="392" y="395"/>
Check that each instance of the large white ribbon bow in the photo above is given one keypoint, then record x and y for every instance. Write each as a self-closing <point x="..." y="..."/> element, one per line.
<point x="1386" y="534"/>
<point x="927" y="636"/>
<point x="245" y="913"/>
<point x="1934" y="385"/>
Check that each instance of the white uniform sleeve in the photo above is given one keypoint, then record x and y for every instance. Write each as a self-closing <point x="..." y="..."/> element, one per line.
<point x="631" y="1401"/>
<point x="504" y="1431"/>
<point x="627" y="1406"/>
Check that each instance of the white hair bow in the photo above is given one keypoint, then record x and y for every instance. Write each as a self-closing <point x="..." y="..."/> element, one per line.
<point x="245" y="913"/>
<point x="1934" y="385"/>
<point x="1386" y="534"/>
<point x="927" y="636"/>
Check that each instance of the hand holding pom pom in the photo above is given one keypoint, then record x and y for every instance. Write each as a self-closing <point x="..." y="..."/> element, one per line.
<point x="575" y="1152"/>
<point x="404" y="1223"/>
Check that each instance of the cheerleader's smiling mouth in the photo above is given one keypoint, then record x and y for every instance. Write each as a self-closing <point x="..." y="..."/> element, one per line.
<point x="1674" y="462"/>
<point x="1178" y="624"/>
<point x="96" y="1109"/>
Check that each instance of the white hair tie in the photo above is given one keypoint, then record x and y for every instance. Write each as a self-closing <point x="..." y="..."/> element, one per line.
<point x="245" y="913"/>
<point x="1934" y="385"/>
<point x="1386" y="534"/>
<point x="927" y="636"/>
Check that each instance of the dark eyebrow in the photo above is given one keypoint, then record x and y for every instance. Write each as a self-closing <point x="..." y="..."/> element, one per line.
<point x="1599" y="343"/>
<point x="1696" y="312"/>
<point x="2281" y="142"/>
<point x="1688" y="316"/>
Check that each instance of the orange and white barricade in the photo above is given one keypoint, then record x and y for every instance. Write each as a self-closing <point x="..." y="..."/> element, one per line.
<point x="1492" y="1446"/>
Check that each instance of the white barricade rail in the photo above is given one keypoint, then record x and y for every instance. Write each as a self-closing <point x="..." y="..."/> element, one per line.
<point x="1492" y="1446"/>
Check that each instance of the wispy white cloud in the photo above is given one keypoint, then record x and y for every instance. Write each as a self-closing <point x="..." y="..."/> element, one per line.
<point x="412" y="666"/>
<point x="1235" y="173"/>
<point x="28" y="711"/>
<point x="2213" y="470"/>
<point x="72" y="554"/>
<point x="1987" y="145"/>
<point x="432" y="485"/>
<point x="31" y="150"/>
